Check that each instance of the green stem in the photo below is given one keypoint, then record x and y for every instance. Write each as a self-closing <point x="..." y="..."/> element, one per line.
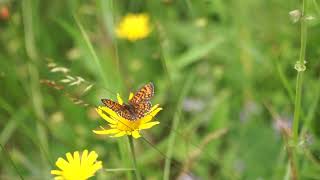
<point x="137" y="172"/>
<point x="300" y="74"/>
<point x="92" y="51"/>
<point x="29" y="20"/>
<point x="285" y="81"/>
<point x="164" y="54"/>
<point x="297" y="108"/>
<point x="175" y="123"/>
<point x="11" y="161"/>
<point x="119" y="169"/>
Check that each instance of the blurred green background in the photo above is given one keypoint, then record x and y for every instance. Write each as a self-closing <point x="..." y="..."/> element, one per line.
<point x="223" y="72"/>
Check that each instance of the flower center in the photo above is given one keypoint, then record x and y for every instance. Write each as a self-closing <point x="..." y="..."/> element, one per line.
<point x="126" y="125"/>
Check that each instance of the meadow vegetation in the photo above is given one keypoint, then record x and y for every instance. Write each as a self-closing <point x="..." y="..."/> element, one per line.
<point x="237" y="80"/>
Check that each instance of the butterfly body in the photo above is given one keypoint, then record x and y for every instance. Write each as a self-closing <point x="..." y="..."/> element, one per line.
<point x="138" y="105"/>
<point x="131" y="109"/>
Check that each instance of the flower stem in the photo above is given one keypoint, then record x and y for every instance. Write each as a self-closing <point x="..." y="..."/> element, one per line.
<point x="303" y="42"/>
<point x="297" y="108"/>
<point x="137" y="172"/>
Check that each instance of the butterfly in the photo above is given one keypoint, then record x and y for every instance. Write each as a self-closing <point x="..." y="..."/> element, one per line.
<point x="138" y="105"/>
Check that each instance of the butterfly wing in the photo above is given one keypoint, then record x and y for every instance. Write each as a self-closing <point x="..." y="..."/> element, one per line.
<point x="118" y="108"/>
<point x="138" y="106"/>
<point x="143" y="94"/>
<point x="141" y="109"/>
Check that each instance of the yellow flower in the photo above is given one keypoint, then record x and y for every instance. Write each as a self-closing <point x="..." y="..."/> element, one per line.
<point x="76" y="167"/>
<point x="121" y="126"/>
<point x="134" y="27"/>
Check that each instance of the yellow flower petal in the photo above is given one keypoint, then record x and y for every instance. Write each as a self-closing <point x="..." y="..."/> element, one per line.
<point x="130" y="96"/>
<point x="108" y="131"/>
<point x="69" y="158"/>
<point x="109" y="112"/>
<point x="155" y="112"/>
<point x="121" y="126"/>
<point x="120" y="101"/>
<point x="79" y="167"/>
<point x="76" y="158"/>
<point x="149" y="125"/>
<point x="127" y="125"/>
<point x="61" y="163"/>
<point x="134" y="27"/>
<point x="136" y="134"/>
<point x="84" y="158"/>
<point x="154" y="107"/>
<point x="97" y="165"/>
<point x="92" y="157"/>
<point x="113" y="126"/>
<point x="56" y="172"/>
<point x="59" y="178"/>
<point x="122" y="133"/>
<point x="104" y="116"/>
<point x="150" y="116"/>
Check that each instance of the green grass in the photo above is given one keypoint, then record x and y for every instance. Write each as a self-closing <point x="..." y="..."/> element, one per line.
<point x="223" y="72"/>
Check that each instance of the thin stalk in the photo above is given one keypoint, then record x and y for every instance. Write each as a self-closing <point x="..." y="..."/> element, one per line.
<point x="285" y="81"/>
<point x="124" y="149"/>
<point x="175" y="123"/>
<point x="311" y="111"/>
<point x="108" y="11"/>
<point x="119" y="169"/>
<point x="92" y="51"/>
<point x="297" y="107"/>
<point x="11" y="161"/>
<point x="29" y="22"/>
<point x="137" y="172"/>
<point x="164" y="54"/>
<point x="189" y="5"/>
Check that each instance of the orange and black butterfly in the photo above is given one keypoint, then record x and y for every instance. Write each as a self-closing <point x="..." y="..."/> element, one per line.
<point x="138" y="105"/>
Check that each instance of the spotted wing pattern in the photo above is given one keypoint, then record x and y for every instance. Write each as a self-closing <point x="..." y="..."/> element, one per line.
<point x="141" y="109"/>
<point x="138" y="105"/>
<point x="119" y="109"/>
<point x="143" y="94"/>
